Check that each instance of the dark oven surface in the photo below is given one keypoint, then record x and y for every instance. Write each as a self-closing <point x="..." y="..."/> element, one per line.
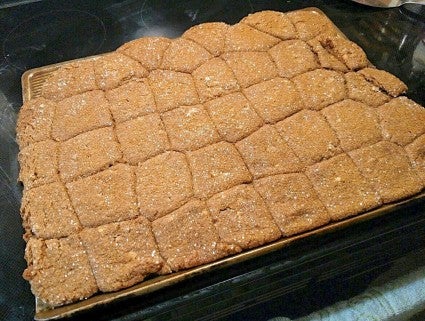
<point x="293" y="281"/>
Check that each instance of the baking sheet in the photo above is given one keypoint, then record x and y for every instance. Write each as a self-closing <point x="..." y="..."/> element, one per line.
<point x="32" y="81"/>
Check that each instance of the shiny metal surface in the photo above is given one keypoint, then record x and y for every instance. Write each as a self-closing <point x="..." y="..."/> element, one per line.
<point x="388" y="3"/>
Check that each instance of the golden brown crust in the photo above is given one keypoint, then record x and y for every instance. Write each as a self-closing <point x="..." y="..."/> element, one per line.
<point x="384" y="80"/>
<point x="274" y="23"/>
<point x="241" y="217"/>
<point x="293" y="203"/>
<point x="126" y="254"/>
<point x="293" y="57"/>
<point x="388" y="168"/>
<point x="163" y="184"/>
<point x="210" y="35"/>
<point x="105" y="197"/>
<point x="148" y="51"/>
<point x="309" y="136"/>
<point x="34" y="122"/>
<point x="216" y="168"/>
<point x="187" y="237"/>
<point x="355" y="124"/>
<point x="72" y="79"/>
<point x="342" y="188"/>
<point x="402" y="120"/>
<point x="59" y="270"/>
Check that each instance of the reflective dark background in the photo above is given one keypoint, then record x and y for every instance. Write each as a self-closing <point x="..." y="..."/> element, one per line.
<point x="292" y="282"/>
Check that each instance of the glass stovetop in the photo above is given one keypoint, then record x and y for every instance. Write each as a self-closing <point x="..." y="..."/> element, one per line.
<point x="293" y="281"/>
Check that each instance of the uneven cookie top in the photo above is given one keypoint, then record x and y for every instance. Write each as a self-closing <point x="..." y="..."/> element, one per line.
<point x="388" y="168"/>
<point x="216" y="168"/>
<point x="269" y="103"/>
<point x="402" y="120"/>
<point x="187" y="237"/>
<point x="39" y="164"/>
<point x="47" y="212"/>
<point x="34" y="121"/>
<point x="293" y="202"/>
<point x="59" y="270"/>
<point x="293" y="57"/>
<point x="88" y="153"/>
<point x="142" y="138"/>
<point x="241" y="217"/>
<point x="105" y="197"/>
<point x="163" y="183"/>
<point x="126" y="254"/>
<point x="310" y="136"/>
<point x="79" y="114"/>
<point x="341" y="187"/>
<point x="266" y="153"/>
<point x="355" y="124"/>
<point x="190" y="127"/>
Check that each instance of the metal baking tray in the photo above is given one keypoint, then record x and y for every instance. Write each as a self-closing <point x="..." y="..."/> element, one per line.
<point x="32" y="82"/>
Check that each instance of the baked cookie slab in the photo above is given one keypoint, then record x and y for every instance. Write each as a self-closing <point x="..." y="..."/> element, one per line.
<point x="167" y="154"/>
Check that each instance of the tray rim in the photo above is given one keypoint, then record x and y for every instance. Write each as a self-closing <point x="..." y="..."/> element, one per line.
<point x="44" y="313"/>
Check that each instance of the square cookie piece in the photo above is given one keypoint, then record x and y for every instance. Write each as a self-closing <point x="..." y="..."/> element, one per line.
<point x="172" y="89"/>
<point x="241" y="37"/>
<point x="416" y="152"/>
<point x="142" y="138"/>
<point x="146" y="50"/>
<point x="163" y="184"/>
<point x="79" y="114"/>
<point x="345" y="51"/>
<point x="384" y="80"/>
<point x="274" y="23"/>
<point x="293" y="57"/>
<point x="402" y="120"/>
<point x="59" y="271"/>
<point x="214" y="79"/>
<point x="266" y="153"/>
<point x="187" y="237"/>
<point x="72" y="79"/>
<point x="216" y="168"/>
<point x="34" y="122"/>
<point x="210" y="35"/>
<point x="47" y="212"/>
<point x="325" y="58"/>
<point x="131" y="100"/>
<point x="233" y="116"/>
<point x="189" y="128"/>
<point x="250" y="67"/>
<point x="292" y="202"/>
<point x="310" y="23"/>
<point x="342" y="188"/>
<point x="184" y="55"/>
<point x="355" y="124"/>
<point x="114" y="68"/>
<point x="38" y="164"/>
<point x="387" y="167"/>
<point x="360" y="89"/>
<point x="88" y="153"/>
<point x="320" y="88"/>
<point x="121" y="254"/>
<point x="105" y="197"/>
<point x="274" y="99"/>
<point x="241" y="217"/>
<point x="309" y="136"/>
